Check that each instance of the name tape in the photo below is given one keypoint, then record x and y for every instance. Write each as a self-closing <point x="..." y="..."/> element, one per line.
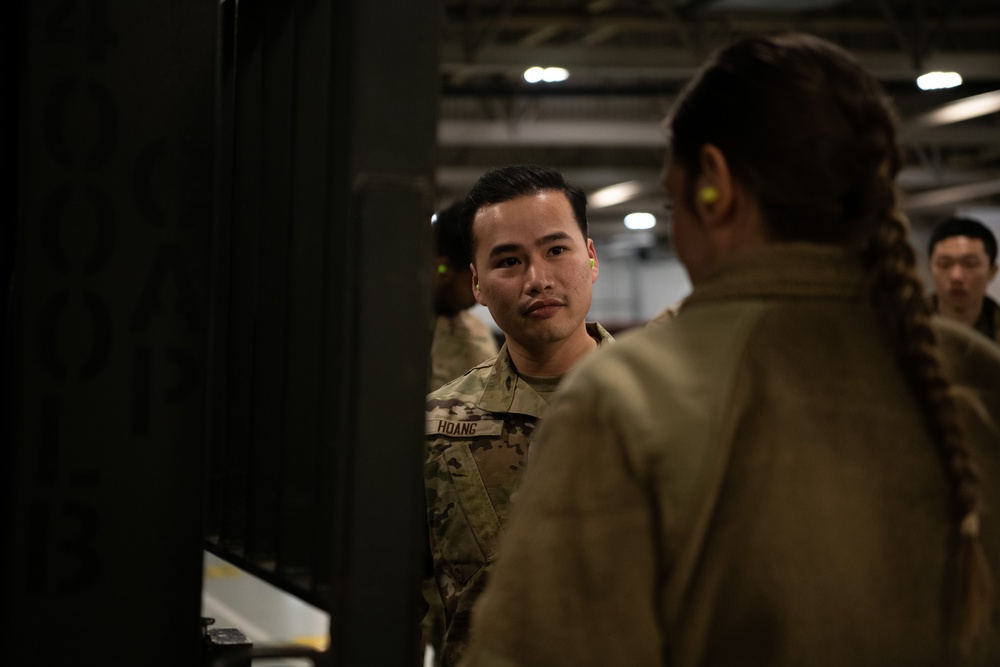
<point x="464" y="428"/>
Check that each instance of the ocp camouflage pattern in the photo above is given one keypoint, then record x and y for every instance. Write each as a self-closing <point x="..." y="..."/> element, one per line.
<point x="478" y="429"/>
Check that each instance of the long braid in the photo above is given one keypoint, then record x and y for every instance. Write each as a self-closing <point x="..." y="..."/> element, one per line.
<point x="870" y="210"/>
<point x="897" y="296"/>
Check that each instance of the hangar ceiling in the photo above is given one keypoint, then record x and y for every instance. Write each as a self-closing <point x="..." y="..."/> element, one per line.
<point x="627" y="60"/>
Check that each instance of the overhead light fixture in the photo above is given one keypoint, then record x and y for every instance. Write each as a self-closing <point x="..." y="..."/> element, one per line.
<point x="614" y="194"/>
<point x="958" y="110"/>
<point x="640" y="220"/>
<point x="938" y="80"/>
<point x="546" y="74"/>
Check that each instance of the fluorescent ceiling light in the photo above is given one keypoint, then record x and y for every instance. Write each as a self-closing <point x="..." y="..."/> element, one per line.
<point x="937" y="80"/>
<point x="958" y="110"/>
<point x="614" y="194"/>
<point x="546" y="74"/>
<point x="640" y="220"/>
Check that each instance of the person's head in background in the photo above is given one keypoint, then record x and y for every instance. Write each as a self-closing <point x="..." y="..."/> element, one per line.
<point x="533" y="262"/>
<point x="452" y="267"/>
<point x="788" y="139"/>
<point x="963" y="261"/>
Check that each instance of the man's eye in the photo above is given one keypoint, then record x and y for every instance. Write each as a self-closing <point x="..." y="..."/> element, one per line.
<point x="557" y="250"/>
<point x="507" y="261"/>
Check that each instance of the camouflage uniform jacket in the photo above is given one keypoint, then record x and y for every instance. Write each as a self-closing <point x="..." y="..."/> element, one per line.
<point x="460" y="342"/>
<point x="478" y="430"/>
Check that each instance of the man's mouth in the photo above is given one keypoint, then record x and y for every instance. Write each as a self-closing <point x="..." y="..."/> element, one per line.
<point x="543" y="307"/>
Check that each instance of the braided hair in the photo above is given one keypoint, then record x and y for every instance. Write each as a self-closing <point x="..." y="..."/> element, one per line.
<point x="813" y="136"/>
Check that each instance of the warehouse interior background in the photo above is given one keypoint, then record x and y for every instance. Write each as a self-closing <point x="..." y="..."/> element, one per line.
<point x="219" y="246"/>
<point x="626" y="61"/>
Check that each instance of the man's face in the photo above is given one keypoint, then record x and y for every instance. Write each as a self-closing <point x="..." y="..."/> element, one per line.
<point x="532" y="264"/>
<point x="961" y="271"/>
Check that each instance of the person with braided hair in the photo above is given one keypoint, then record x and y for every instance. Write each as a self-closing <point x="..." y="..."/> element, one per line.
<point x="802" y="466"/>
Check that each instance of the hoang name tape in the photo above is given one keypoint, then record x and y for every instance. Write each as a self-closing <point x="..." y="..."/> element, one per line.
<point x="464" y="428"/>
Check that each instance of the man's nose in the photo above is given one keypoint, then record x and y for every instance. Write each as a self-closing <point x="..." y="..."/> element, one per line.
<point x="956" y="272"/>
<point x="537" y="277"/>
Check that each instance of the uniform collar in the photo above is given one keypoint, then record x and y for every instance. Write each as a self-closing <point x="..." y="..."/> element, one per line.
<point x="506" y="391"/>
<point x="784" y="270"/>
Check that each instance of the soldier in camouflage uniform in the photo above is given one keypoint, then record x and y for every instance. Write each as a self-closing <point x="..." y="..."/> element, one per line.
<point x="534" y="266"/>
<point x="461" y="340"/>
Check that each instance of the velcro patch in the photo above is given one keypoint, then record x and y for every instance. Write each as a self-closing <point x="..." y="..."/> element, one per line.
<point x="463" y="429"/>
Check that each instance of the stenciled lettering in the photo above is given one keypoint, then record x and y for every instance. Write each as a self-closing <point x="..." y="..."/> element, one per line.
<point x="457" y="428"/>
<point x="80" y="133"/>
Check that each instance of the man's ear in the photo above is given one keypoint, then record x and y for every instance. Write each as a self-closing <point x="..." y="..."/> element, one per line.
<point x="714" y="193"/>
<point x="594" y="263"/>
<point x="993" y="273"/>
<point x="475" y="286"/>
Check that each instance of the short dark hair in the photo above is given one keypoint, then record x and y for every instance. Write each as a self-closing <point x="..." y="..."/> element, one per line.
<point x="502" y="184"/>
<point x="448" y="235"/>
<point x="957" y="226"/>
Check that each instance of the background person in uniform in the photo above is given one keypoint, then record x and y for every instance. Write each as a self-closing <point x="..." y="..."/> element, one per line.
<point x="801" y="467"/>
<point x="461" y="339"/>
<point x="963" y="261"/>
<point x="534" y="266"/>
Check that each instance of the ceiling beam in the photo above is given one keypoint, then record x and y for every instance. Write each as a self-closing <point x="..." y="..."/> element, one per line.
<point x="733" y="23"/>
<point x="647" y="134"/>
<point x="681" y="64"/>
<point x="944" y="198"/>
<point x="593" y="133"/>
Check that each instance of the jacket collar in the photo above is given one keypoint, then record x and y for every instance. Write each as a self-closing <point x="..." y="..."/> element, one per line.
<point x="784" y="270"/>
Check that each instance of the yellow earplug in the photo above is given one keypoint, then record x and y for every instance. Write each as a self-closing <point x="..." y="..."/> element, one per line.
<point x="708" y="195"/>
<point x="442" y="269"/>
<point x="477" y="287"/>
<point x="591" y="262"/>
